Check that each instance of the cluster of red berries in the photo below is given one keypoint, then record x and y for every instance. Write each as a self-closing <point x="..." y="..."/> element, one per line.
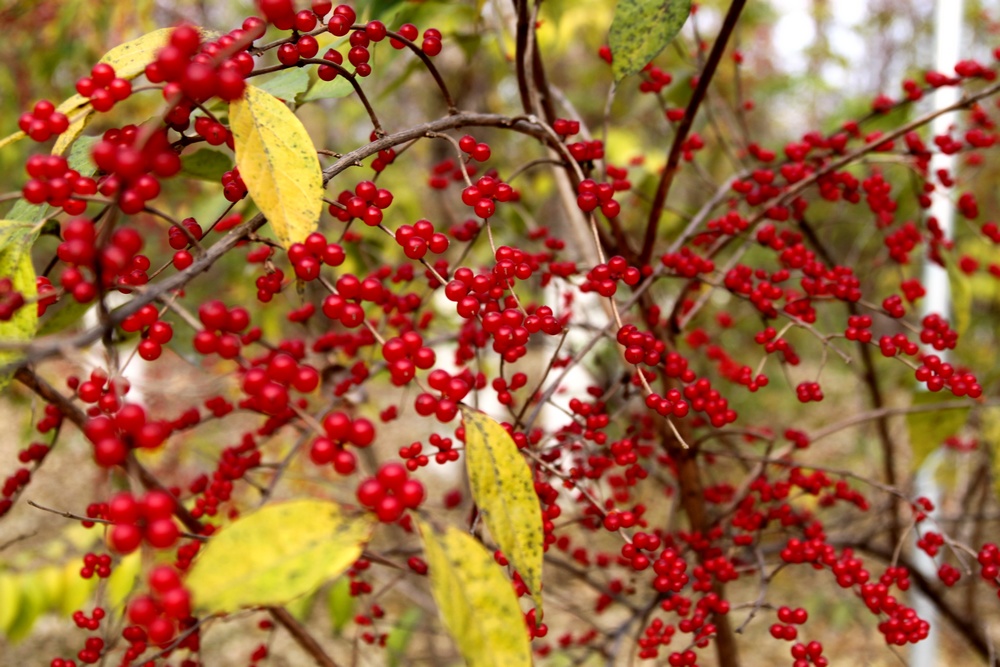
<point x="345" y="304"/>
<point x="114" y="436"/>
<point x="308" y="257"/>
<point x="805" y="655"/>
<point x="193" y="71"/>
<point x="155" y="332"/>
<point x="222" y="325"/>
<point x="769" y="339"/>
<point x="149" y="518"/>
<point x="160" y="612"/>
<point x="104" y="88"/>
<point x="95" y="564"/>
<point x="587" y="151"/>
<point x="788" y="618"/>
<point x="485" y="193"/>
<point x="134" y="170"/>
<point x="53" y="182"/>
<point x="414" y="457"/>
<point x="390" y="492"/>
<point x="43" y="122"/>
<point x="366" y="203"/>
<point x="418" y="238"/>
<point x="267" y="382"/>
<point x="233" y="187"/>
<point x="477" y="151"/>
<point x="119" y="262"/>
<point x="445" y="406"/>
<point x="604" y="278"/>
<point x="404" y="355"/>
<point x="859" y="328"/>
<point x="809" y="391"/>
<point x="503" y="388"/>
<point x="591" y="195"/>
<point x="341" y="430"/>
<point x="938" y="375"/>
<point x="937" y="333"/>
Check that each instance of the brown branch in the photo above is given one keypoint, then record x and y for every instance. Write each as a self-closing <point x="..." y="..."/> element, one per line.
<point x="673" y="159"/>
<point x="301" y="636"/>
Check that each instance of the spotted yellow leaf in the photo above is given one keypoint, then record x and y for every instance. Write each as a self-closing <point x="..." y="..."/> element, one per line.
<point x="278" y="164"/>
<point x="503" y="489"/>
<point x="276" y="554"/>
<point x="477" y="603"/>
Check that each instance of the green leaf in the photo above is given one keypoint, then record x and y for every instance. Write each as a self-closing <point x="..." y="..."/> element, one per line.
<point x="961" y="292"/>
<point x="79" y="156"/>
<point x="206" y="165"/>
<point x="340" y="604"/>
<point x="16" y="239"/>
<point x="503" y="488"/>
<point x="641" y="29"/>
<point x="929" y="429"/>
<point x="22" y="211"/>
<point x="287" y="84"/>
<point x="325" y="90"/>
<point x="276" y="554"/>
<point x="66" y="315"/>
<point x="400" y="636"/>
<point x="278" y="163"/>
<point x="477" y="603"/>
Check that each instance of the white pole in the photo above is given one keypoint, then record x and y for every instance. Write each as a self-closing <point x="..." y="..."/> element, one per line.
<point x="948" y="33"/>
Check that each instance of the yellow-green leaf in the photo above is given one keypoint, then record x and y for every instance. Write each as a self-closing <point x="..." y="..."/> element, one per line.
<point x="641" y="29"/>
<point x="11" y="138"/>
<point x="15" y="263"/>
<point x="961" y="292"/>
<point x="10" y="599"/>
<point x="76" y="589"/>
<point x="502" y="487"/>
<point x="276" y="554"/>
<point x="340" y="604"/>
<point x="124" y="578"/>
<point x="476" y="601"/>
<point x="278" y="164"/>
<point x="928" y="430"/>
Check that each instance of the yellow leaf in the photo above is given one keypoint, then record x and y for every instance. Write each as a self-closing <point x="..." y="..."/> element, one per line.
<point x="503" y="489"/>
<point x="124" y="578"/>
<point x="76" y="589"/>
<point x="476" y="601"/>
<point x="276" y="554"/>
<point x="77" y="124"/>
<point x="15" y="263"/>
<point x="278" y="164"/>
<point x="10" y="599"/>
